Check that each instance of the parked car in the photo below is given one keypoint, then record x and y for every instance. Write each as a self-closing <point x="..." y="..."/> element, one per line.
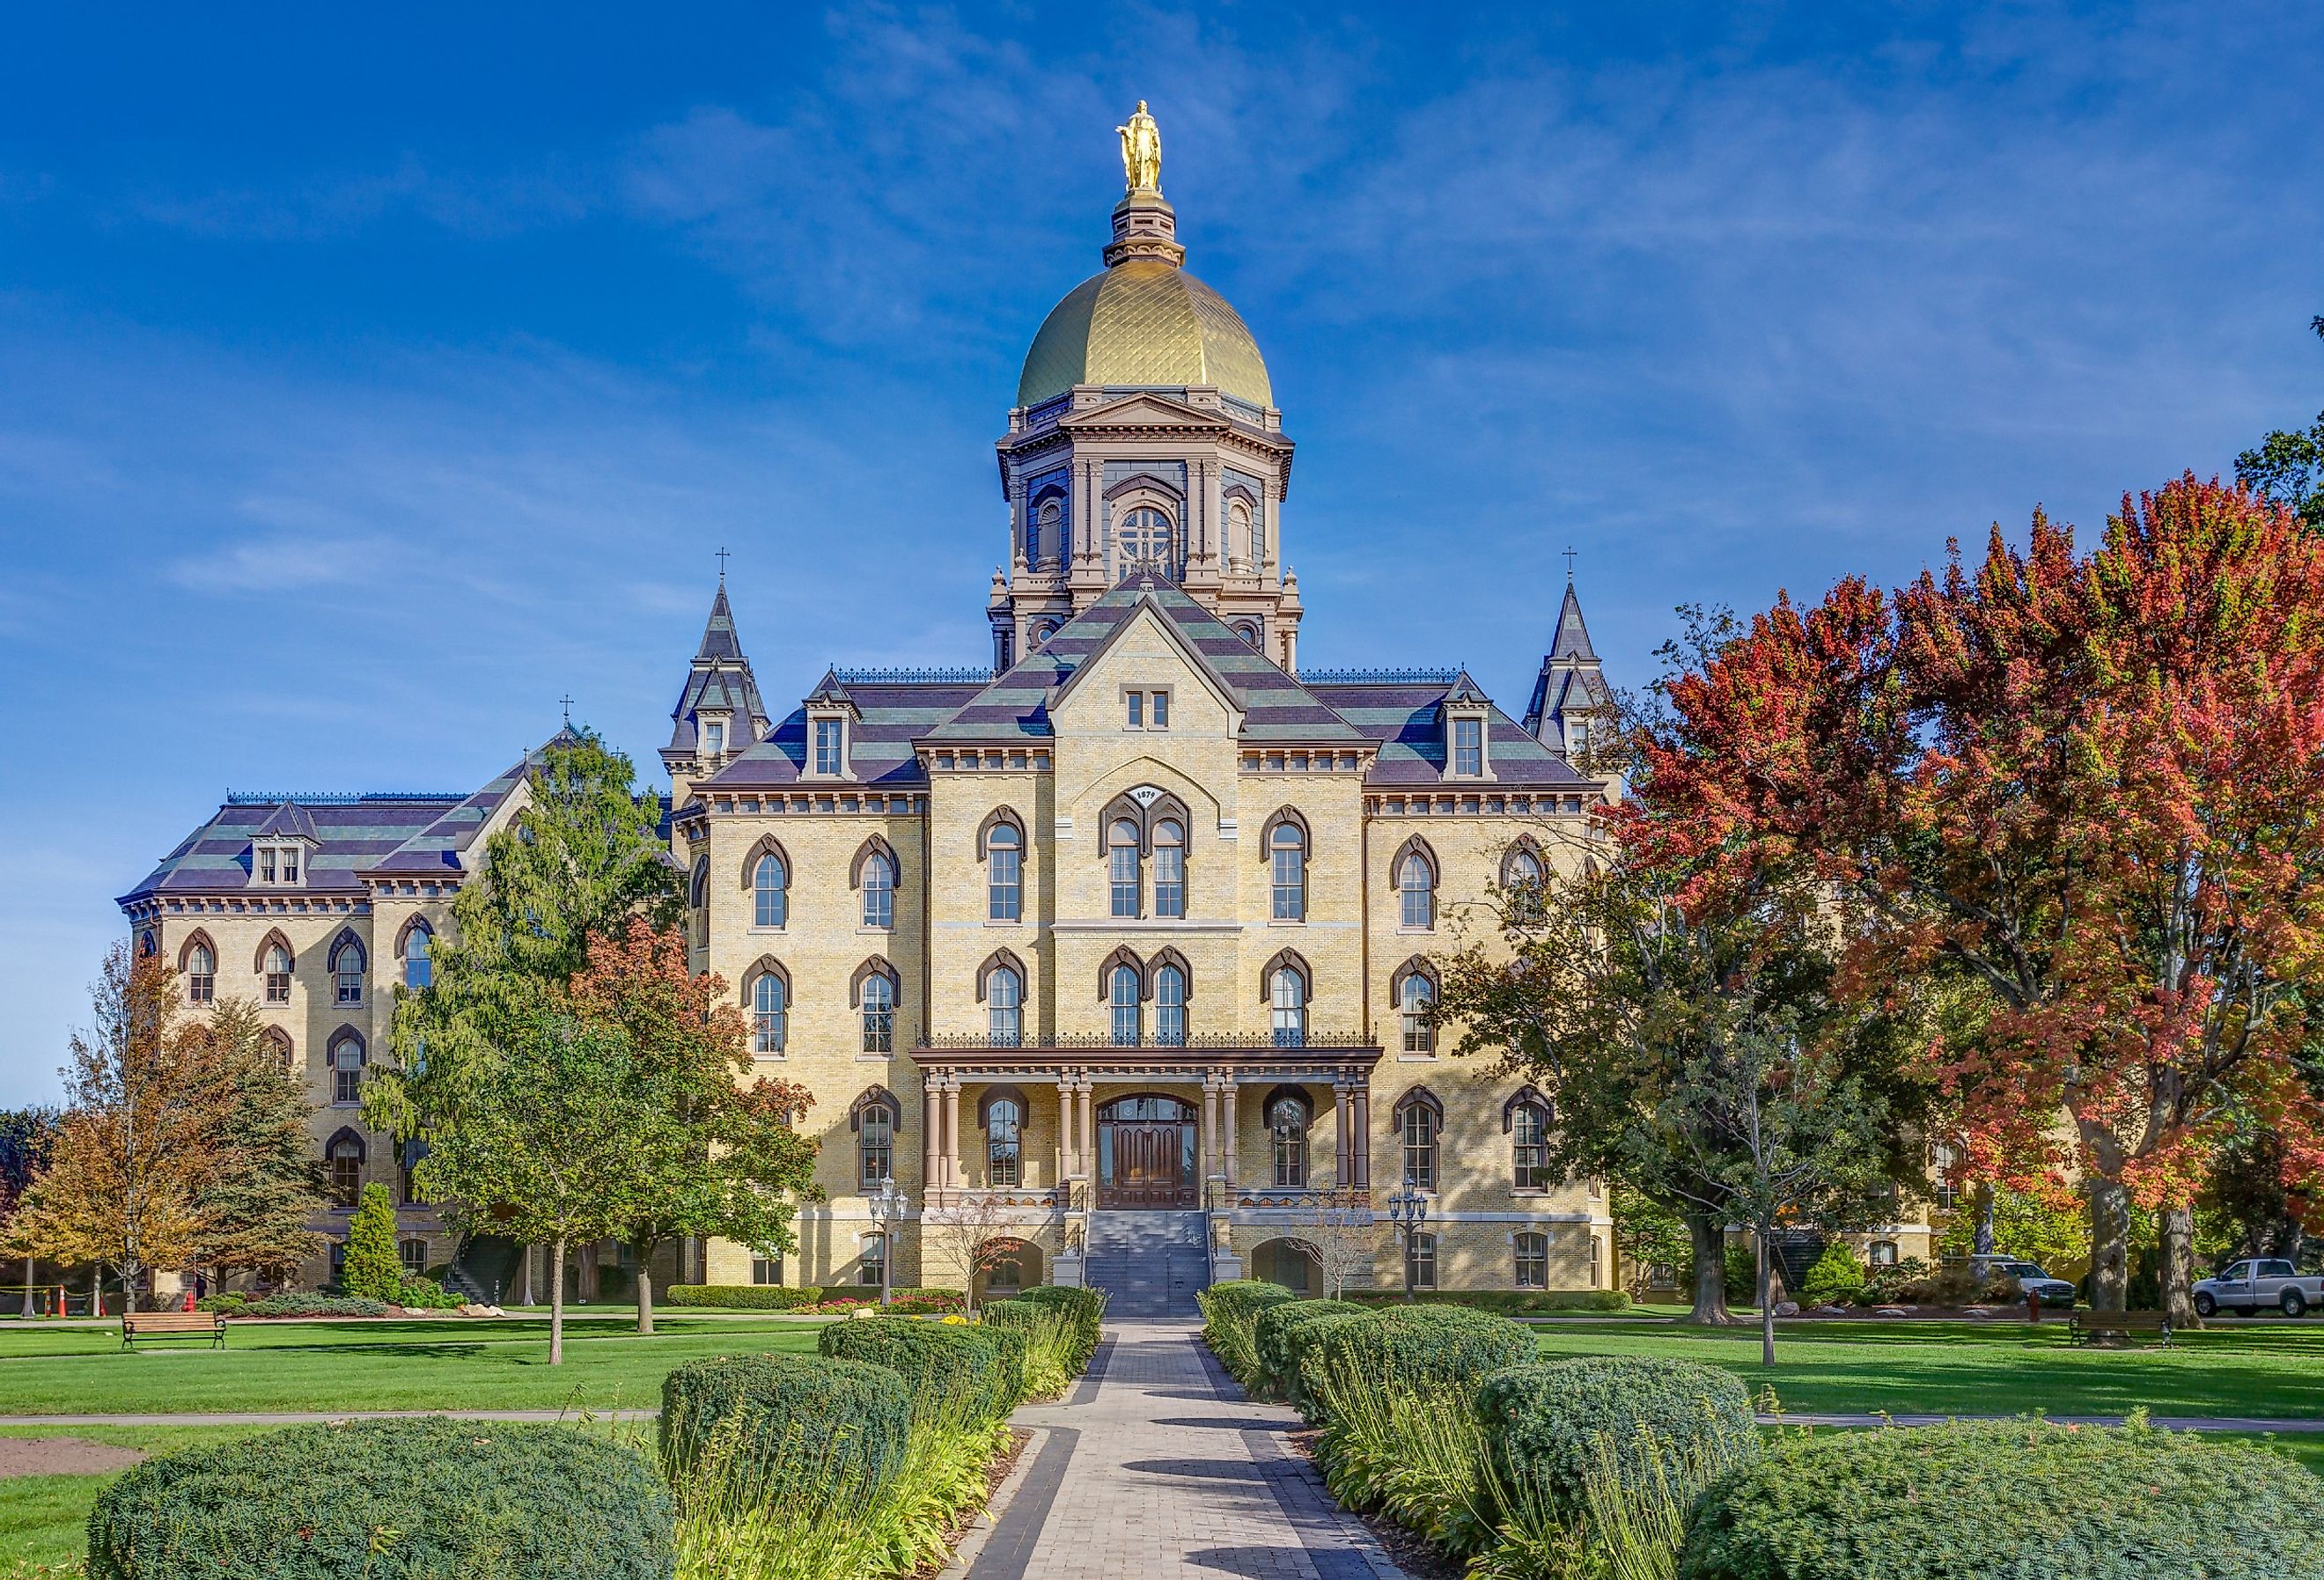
<point x="2244" y="1287"/>
<point x="2031" y="1278"/>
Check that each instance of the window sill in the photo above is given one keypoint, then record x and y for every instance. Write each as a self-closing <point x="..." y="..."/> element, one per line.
<point x="1415" y="932"/>
<point x="776" y="932"/>
<point x="1415" y="1058"/>
<point x="995" y="921"/>
<point x="875" y="1058"/>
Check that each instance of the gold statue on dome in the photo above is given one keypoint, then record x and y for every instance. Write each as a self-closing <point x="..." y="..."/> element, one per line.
<point x="1141" y="152"/>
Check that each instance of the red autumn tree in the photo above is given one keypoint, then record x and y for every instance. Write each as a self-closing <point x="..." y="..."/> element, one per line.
<point x="2082" y="787"/>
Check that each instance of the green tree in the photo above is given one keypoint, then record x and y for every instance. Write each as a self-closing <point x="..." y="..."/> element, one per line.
<point x="27" y="1135"/>
<point x="2288" y="466"/>
<point x="2054" y="1232"/>
<point x="266" y="1183"/>
<point x="372" y="1269"/>
<point x="1646" y="1235"/>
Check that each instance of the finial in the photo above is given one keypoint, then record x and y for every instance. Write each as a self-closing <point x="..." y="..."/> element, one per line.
<point x="567" y="701"/>
<point x="1141" y="152"/>
<point x="1569" y="564"/>
<point x="722" y="558"/>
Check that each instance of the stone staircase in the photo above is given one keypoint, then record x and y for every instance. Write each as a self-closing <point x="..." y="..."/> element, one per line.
<point x="1148" y="1263"/>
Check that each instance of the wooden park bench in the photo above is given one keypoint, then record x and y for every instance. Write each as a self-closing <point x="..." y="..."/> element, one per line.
<point x="137" y="1324"/>
<point x="2117" y="1328"/>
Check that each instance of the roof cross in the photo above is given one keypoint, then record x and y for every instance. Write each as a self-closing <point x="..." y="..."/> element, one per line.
<point x="1569" y="564"/>
<point x="567" y="700"/>
<point x="722" y="558"/>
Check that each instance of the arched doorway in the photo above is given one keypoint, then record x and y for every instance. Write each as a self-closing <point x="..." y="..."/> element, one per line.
<point x="1146" y="1152"/>
<point x="1291" y="1264"/>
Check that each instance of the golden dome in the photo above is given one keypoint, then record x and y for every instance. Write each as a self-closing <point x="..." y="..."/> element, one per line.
<point x="1144" y="321"/>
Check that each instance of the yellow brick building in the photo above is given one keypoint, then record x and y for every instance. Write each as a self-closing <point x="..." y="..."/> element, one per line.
<point x="1116" y="949"/>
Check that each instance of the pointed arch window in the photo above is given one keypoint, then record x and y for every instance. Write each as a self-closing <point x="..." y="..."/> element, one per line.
<point x="1528" y="1118"/>
<point x="1416" y="995"/>
<point x="201" y="973"/>
<point x="277" y="1045"/>
<point x="1004" y="1131"/>
<point x="1004" y="874"/>
<point x="1004" y="1005"/>
<point x="344" y="1162"/>
<point x="1419" y="1123"/>
<point x="1287" y="997"/>
<point x="1415" y="888"/>
<point x="1288" y="1118"/>
<point x="879" y="1015"/>
<point x="770" y="891"/>
<point x="1522" y="886"/>
<point x="1169" y="867"/>
<point x="1121" y="873"/>
<point x="1122" y="997"/>
<point x="347" y="1068"/>
<point x="347" y="972"/>
<point x="875" y="1145"/>
<point x="697" y="883"/>
<point x="1288" y="851"/>
<point x="879" y="891"/>
<point x="419" y="957"/>
<point x="277" y="973"/>
<point x="771" y="1017"/>
<point x="1170" y="1006"/>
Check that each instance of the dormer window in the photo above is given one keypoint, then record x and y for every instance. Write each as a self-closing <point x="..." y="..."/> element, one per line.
<point x="1577" y="739"/>
<point x="713" y="738"/>
<point x="830" y="746"/>
<point x="275" y="864"/>
<point x="1467" y="747"/>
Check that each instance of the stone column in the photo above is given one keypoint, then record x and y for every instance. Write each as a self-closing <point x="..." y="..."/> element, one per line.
<point x="1209" y="1135"/>
<point x="1360" y="1100"/>
<point x="931" y="1121"/>
<point x="1232" y="1120"/>
<point x="1068" y="1156"/>
<point x="1088" y="1130"/>
<point x="952" y="1133"/>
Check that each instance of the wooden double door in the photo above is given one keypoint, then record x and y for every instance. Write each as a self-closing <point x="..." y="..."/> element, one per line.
<point x="1146" y="1153"/>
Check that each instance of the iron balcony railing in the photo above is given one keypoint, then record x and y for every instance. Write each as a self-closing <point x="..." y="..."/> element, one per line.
<point x="948" y="1040"/>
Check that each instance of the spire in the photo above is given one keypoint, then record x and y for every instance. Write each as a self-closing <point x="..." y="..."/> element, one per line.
<point x="720" y="690"/>
<point x="719" y="639"/>
<point x="1572" y="687"/>
<point x="1573" y="638"/>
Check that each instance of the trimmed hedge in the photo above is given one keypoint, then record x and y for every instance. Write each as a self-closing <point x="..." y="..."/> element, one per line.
<point x="1275" y="1364"/>
<point x="812" y="1424"/>
<point x="415" y="1499"/>
<point x="289" y="1304"/>
<point x="1508" y="1302"/>
<point x="1229" y="1315"/>
<point x="1419" y="1347"/>
<point x="947" y="1368"/>
<point x="744" y="1297"/>
<point x="1968" y="1502"/>
<point x="1544" y="1423"/>
<point x="1085" y="1308"/>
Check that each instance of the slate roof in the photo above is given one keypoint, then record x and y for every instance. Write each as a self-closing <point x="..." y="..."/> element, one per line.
<point x="719" y="678"/>
<point x="890" y="715"/>
<point x="1406" y="720"/>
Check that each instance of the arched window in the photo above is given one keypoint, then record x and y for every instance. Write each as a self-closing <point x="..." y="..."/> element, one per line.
<point x="1944" y="1161"/>
<point x="1288" y="849"/>
<point x="770" y="892"/>
<point x="1007" y="1265"/>
<point x="344" y="1161"/>
<point x="771" y="1021"/>
<point x="201" y="974"/>
<point x="1169" y="868"/>
<point x="1420" y="1261"/>
<point x="1530" y="1145"/>
<point x="1286" y="1128"/>
<point x="879" y="891"/>
<point x="278" y="975"/>
<point x="1414" y="996"/>
<point x="347" y="1068"/>
<point x="1004" y="874"/>
<point x="1287" y="997"/>
<point x="347" y="972"/>
<point x="1249" y="633"/>
<point x="697" y="883"/>
<point x="277" y="1044"/>
<point x="418" y="957"/>
<point x="1170" y="1007"/>
<point x="1242" y="552"/>
<point x="1147" y="542"/>
<point x="879" y="1015"/>
<point x="1418" y="1125"/>
<point x="1122" y="866"/>
<point x="1291" y="1264"/>
<point x="1415" y="888"/>
<point x="1521" y="883"/>
<point x="1004" y="999"/>
<point x="1533" y="1260"/>
<point x="1047" y="523"/>
<point x="1122" y="994"/>
<point x="1043" y="632"/>
<point x="873" y="1120"/>
<point x="1004" y="1125"/>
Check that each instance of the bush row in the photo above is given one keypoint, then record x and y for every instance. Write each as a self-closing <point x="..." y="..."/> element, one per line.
<point x="292" y="1303"/>
<point x="1508" y="1302"/>
<point x="1229" y="1320"/>
<point x="808" y="1299"/>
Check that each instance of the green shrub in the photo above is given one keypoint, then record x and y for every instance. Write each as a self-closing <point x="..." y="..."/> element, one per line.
<point x="744" y="1297"/>
<point x="1048" y="1333"/>
<point x="1970" y="1500"/>
<point x="1016" y="1347"/>
<point x="389" y="1499"/>
<point x="1836" y="1277"/>
<point x="827" y="1422"/>
<point x="1275" y="1366"/>
<point x="1416" y="1347"/>
<point x="372" y="1269"/>
<point x="950" y="1369"/>
<point x="229" y="1305"/>
<point x="1741" y="1266"/>
<point x="1549" y="1423"/>
<point x="1508" y="1302"/>
<point x="310" y="1304"/>
<point x="1084" y="1312"/>
<point x="1229" y="1318"/>
<point x="424" y="1294"/>
<point x="1415" y="1455"/>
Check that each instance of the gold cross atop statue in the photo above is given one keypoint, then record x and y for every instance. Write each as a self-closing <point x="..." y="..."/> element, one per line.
<point x="1141" y="152"/>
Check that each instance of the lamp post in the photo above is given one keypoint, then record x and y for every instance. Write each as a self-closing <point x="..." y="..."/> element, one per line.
<point x="887" y="1205"/>
<point x="1408" y="1209"/>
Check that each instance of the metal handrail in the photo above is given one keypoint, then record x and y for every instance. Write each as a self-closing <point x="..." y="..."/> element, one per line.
<point x="966" y="1041"/>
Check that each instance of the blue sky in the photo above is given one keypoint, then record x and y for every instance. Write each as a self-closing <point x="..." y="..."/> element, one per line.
<point x="366" y="384"/>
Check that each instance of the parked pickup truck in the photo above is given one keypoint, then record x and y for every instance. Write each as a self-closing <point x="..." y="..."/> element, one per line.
<point x="2244" y="1287"/>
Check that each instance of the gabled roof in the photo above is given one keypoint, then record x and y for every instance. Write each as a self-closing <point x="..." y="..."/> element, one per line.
<point x="288" y="821"/>
<point x="441" y="848"/>
<point x="1275" y="707"/>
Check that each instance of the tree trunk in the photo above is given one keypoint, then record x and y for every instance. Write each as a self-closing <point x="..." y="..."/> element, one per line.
<point x="1766" y="1302"/>
<point x="1710" y="1243"/>
<point x="27" y="1287"/>
<point x="557" y="1302"/>
<point x="644" y="1255"/>
<point x="525" y="1298"/>
<point x="1987" y="1193"/>
<point x="2109" y="1245"/>
<point x="2178" y="1226"/>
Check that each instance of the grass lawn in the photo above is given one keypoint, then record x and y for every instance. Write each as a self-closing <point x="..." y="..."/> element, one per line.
<point x="424" y="1364"/>
<point x="1988" y="1368"/>
<point x="44" y="1518"/>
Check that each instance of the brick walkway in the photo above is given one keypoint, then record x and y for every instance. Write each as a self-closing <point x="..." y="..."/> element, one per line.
<point x="1159" y="1466"/>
